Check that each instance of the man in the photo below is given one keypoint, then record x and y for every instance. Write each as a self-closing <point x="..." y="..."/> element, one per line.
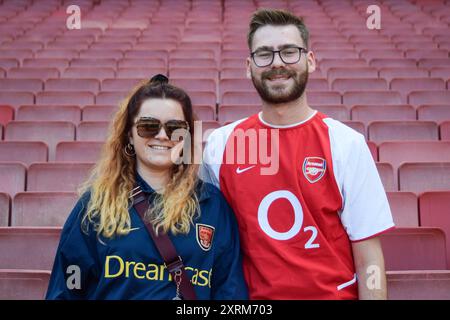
<point x="309" y="217"/>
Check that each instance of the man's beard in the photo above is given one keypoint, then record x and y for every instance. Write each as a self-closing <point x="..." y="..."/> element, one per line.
<point x="281" y="95"/>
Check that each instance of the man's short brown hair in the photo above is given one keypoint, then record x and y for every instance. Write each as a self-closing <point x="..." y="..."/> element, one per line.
<point x="274" y="17"/>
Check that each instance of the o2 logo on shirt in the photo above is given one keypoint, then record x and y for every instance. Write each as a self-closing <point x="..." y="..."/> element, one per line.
<point x="314" y="168"/>
<point x="263" y="219"/>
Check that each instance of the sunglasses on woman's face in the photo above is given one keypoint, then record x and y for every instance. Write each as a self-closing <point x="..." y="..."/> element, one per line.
<point x="148" y="127"/>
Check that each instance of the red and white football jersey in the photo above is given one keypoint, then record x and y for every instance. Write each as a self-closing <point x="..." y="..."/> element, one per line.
<point x="301" y="193"/>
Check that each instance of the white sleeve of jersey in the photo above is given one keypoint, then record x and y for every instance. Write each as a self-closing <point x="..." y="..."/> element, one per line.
<point x="213" y="153"/>
<point x="366" y="210"/>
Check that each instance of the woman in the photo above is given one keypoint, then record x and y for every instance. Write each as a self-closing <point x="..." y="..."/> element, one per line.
<point x="106" y="251"/>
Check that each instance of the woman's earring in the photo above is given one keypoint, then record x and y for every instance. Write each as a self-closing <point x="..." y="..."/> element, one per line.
<point x="129" y="150"/>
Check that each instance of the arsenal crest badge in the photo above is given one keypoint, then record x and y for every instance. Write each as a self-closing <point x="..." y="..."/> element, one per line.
<point x="314" y="168"/>
<point x="205" y="236"/>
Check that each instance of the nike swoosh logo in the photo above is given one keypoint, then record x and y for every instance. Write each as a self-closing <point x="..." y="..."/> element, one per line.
<point x="133" y="229"/>
<point x="239" y="170"/>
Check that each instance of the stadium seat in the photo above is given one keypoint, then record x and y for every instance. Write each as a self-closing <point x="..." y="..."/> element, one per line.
<point x="440" y="72"/>
<point x="92" y="62"/>
<point x="122" y="85"/>
<point x="27" y="85"/>
<point x="5" y="203"/>
<point x="50" y="132"/>
<point x="28" y="247"/>
<point x="49" y="113"/>
<point x="25" y="152"/>
<point x="373" y="150"/>
<point x="142" y="63"/>
<point x="393" y="63"/>
<point x="445" y="130"/>
<point x="417" y="98"/>
<point x="370" y="113"/>
<point x="200" y="98"/>
<point x="434" y="210"/>
<point x="358" y="126"/>
<point x="380" y="131"/>
<point x="388" y="176"/>
<point x="60" y="64"/>
<point x="208" y="127"/>
<point x="189" y="73"/>
<point x="402" y="73"/>
<point x="338" y="112"/>
<point x="351" y="99"/>
<point x="78" y="151"/>
<point x="92" y="131"/>
<point x="57" y="177"/>
<point x="111" y="97"/>
<point x="434" y="62"/>
<point x="406" y="86"/>
<point x="89" y="85"/>
<point x="233" y="73"/>
<point x="6" y="114"/>
<point x="98" y="112"/>
<point x="418" y="285"/>
<point x="13" y="177"/>
<point x="324" y="98"/>
<point x="236" y="85"/>
<point x="101" y="54"/>
<point x="23" y="284"/>
<point x="230" y="113"/>
<point x="421" y="177"/>
<point x="60" y="98"/>
<point x="398" y="152"/>
<point x="351" y="73"/>
<point x="436" y="113"/>
<point x="42" y="209"/>
<point x="33" y="73"/>
<point x="414" y="249"/>
<point x="192" y="63"/>
<point x="327" y="64"/>
<point x="88" y="73"/>
<point x="346" y="85"/>
<point x="142" y="73"/>
<point x="207" y="113"/>
<point x="404" y="209"/>
<point x="16" y="99"/>
<point x="208" y="85"/>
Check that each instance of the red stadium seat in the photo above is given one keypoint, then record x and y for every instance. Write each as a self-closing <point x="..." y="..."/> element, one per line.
<point x="388" y="176"/>
<point x="240" y="98"/>
<point x="111" y="97"/>
<point x="57" y="177"/>
<point x="189" y="73"/>
<point x="370" y="113"/>
<point x="16" y="99"/>
<point x="440" y="72"/>
<point x="404" y="73"/>
<point x="28" y="85"/>
<point x="23" y="284"/>
<point x="435" y="212"/>
<point x="324" y="98"/>
<point x="229" y="113"/>
<point x="42" y="209"/>
<point x="418" y="98"/>
<point x="90" y="85"/>
<point x="92" y="62"/>
<point x="60" y="64"/>
<point x="142" y="63"/>
<point x="421" y="177"/>
<point x="445" y="130"/>
<point x="188" y="85"/>
<point x="28" y="248"/>
<point x="233" y="73"/>
<point x="78" y="151"/>
<point x="25" y="152"/>
<point x="208" y="127"/>
<point x="434" y="62"/>
<point x="33" y="73"/>
<point x="123" y="85"/>
<point x="8" y="63"/>
<point x="404" y="209"/>
<point x="6" y="114"/>
<point x="351" y="73"/>
<point x="50" y="132"/>
<point x="358" y="126"/>
<point x="5" y="203"/>
<point x="326" y="64"/>
<point x="199" y="98"/>
<point x="373" y="150"/>
<point x="49" y="113"/>
<point x="380" y="131"/>
<point x="88" y="73"/>
<point x="192" y="63"/>
<point x="57" y="54"/>
<point x="98" y="112"/>
<point x="235" y="85"/>
<point x="418" y="285"/>
<point x="60" y="98"/>
<point x="371" y="98"/>
<point x="13" y="177"/>
<point x="102" y="54"/>
<point x="436" y="113"/>
<point x="414" y="249"/>
<point x="92" y="131"/>
<point x="141" y="73"/>
<point x="338" y="112"/>
<point x="206" y="113"/>
<point x="414" y="151"/>
<point x="346" y="85"/>
<point x="393" y="63"/>
<point x="406" y="86"/>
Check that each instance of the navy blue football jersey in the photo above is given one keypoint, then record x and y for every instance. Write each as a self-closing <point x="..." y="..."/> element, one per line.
<point x="130" y="267"/>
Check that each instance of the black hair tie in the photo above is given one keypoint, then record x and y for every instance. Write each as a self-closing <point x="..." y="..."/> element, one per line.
<point x="159" y="78"/>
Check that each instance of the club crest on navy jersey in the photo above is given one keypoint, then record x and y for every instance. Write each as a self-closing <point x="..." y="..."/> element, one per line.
<point x="314" y="168"/>
<point x="205" y="234"/>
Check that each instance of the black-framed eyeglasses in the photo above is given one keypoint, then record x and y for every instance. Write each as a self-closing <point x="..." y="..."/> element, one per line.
<point x="289" y="55"/>
<point x="148" y="127"/>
